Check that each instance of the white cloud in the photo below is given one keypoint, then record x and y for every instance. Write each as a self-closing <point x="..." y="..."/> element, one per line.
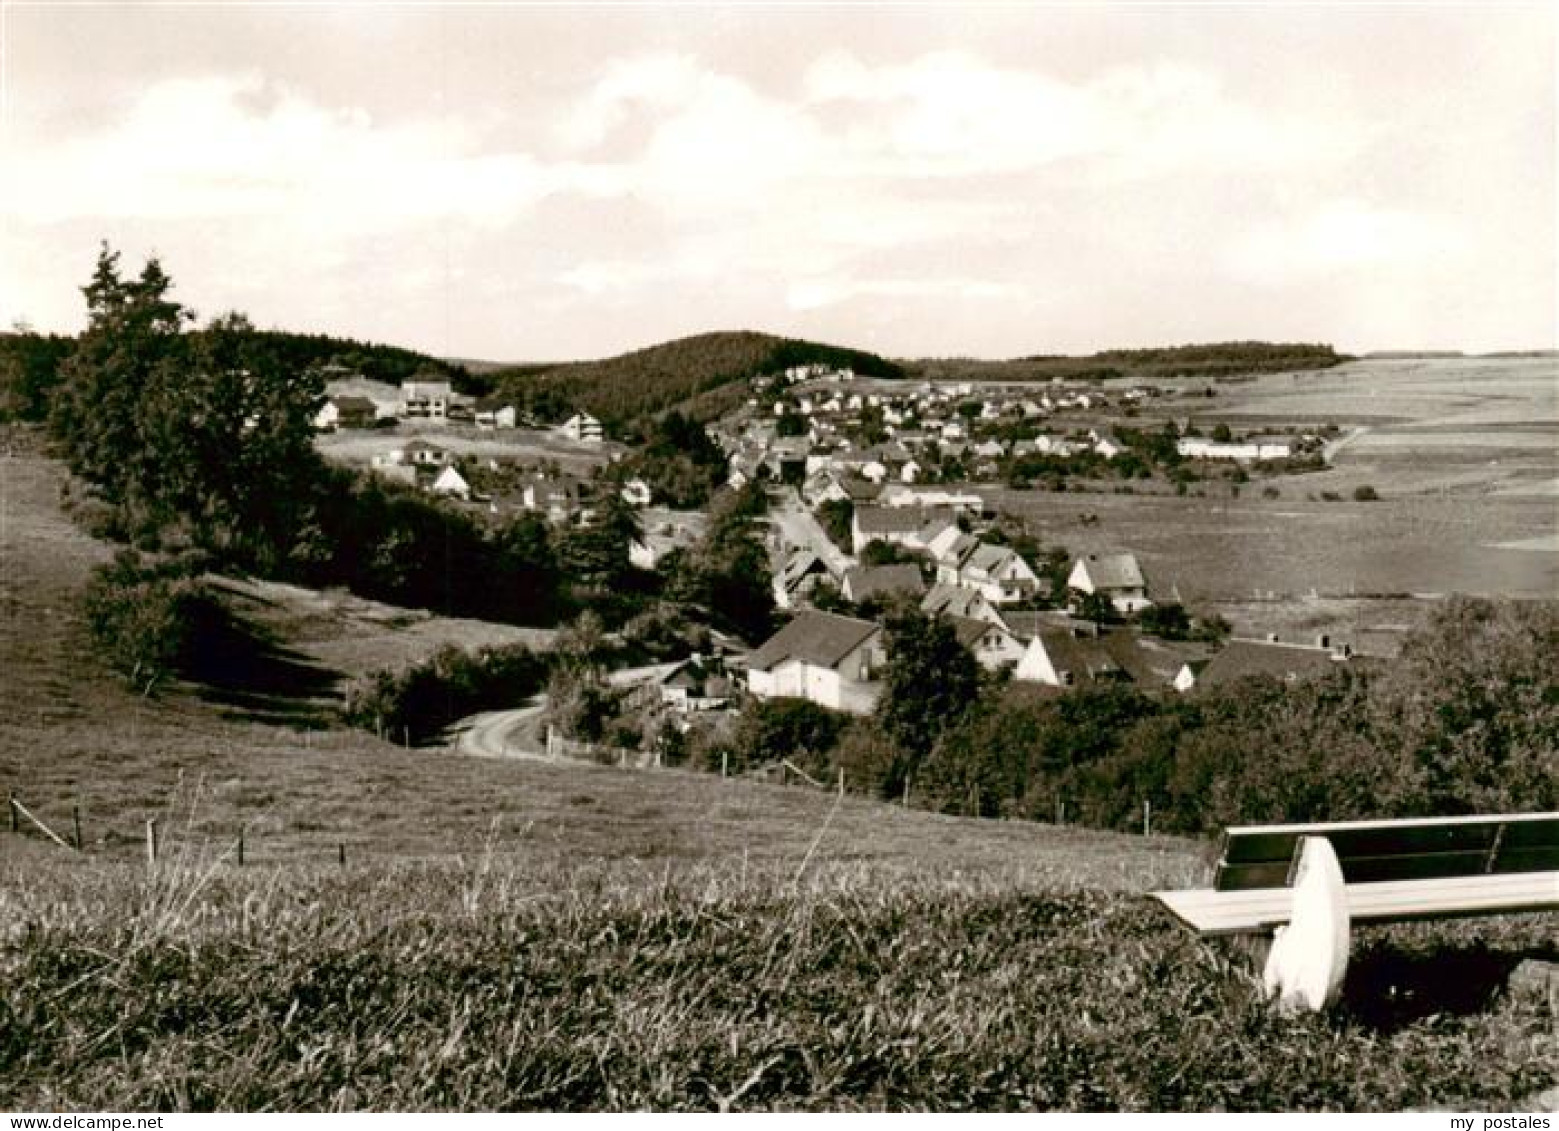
<point x="1340" y="237"/>
<point x="230" y="146"/>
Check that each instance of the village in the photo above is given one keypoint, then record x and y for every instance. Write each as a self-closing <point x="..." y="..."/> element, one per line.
<point x="878" y="499"/>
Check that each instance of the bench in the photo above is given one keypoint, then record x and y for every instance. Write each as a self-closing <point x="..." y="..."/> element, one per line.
<point x="1306" y="885"/>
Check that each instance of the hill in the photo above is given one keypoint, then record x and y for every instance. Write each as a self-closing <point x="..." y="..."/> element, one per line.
<point x="528" y="935"/>
<point x="704" y="375"/>
<point x="1219" y="359"/>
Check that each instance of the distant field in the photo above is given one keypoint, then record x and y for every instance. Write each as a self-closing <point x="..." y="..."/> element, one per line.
<point x="359" y="446"/>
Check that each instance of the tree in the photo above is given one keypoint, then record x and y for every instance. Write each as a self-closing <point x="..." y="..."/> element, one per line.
<point x="929" y="681"/>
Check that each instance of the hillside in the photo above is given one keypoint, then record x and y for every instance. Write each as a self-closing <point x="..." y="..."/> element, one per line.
<point x="704" y="376"/>
<point x="1220" y="359"/>
<point x="509" y="935"/>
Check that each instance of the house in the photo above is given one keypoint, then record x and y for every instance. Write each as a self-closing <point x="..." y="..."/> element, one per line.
<point x="1242" y="451"/>
<point x="865" y="583"/>
<point x="1275" y="659"/>
<point x="1064" y="653"/>
<point x="559" y="498"/>
<point x="488" y="413"/>
<point x="998" y="572"/>
<point x="1116" y="577"/>
<point x="824" y="658"/>
<point x="385" y="398"/>
<point x="992" y="645"/>
<point x="346" y="412"/>
<point x="450" y="482"/>
<point x="698" y="683"/>
<point x="426" y="399"/>
<point x="953" y="601"/>
<point x="898" y="525"/>
<point x="582" y="428"/>
<point x="797" y="577"/>
<point x="418" y="453"/>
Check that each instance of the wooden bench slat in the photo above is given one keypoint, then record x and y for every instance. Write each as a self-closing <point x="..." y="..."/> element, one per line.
<point x="1415" y="866"/>
<point x="1245" y="912"/>
<point x="1271" y="843"/>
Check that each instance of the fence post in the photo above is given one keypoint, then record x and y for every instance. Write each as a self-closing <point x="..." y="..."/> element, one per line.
<point x="10" y="808"/>
<point x="341" y="853"/>
<point x="841" y="779"/>
<point x="240" y="847"/>
<point x="1147" y="817"/>
<point x="75" y="820"/>
<point x="906" y="793"/>
<point x="151" y="843"/>
<point x="724" y="758"/>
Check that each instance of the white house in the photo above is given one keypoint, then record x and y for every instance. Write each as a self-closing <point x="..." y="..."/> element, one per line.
<point x="426" y="399"/>
<point x="992" y="645"/>
<point x="953" y="601"/>
<point x="451" y="482"/>
<point x="583" y="428"/>
<point x="1117" y="577"/>
<point x="489" y="413"/>
<point x="997" y="572"/>
<point x="824" y="658"/>
<point x="1242" y="451"/>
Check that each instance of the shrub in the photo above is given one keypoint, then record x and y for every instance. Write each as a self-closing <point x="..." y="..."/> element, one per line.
<point x="1364" y="493"/>
<point x="146" y="619"/>
<point x="422" y="700"/>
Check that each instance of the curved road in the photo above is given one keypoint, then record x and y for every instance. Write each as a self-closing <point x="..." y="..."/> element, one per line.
<point x="511" y="733"/>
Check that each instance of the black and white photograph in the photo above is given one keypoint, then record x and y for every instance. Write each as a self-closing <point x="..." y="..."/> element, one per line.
<point x="807" y="557"/>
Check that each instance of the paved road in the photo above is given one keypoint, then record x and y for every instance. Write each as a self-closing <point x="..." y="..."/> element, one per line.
<point x="513" y="733"/>
<point x="797" y="526"/>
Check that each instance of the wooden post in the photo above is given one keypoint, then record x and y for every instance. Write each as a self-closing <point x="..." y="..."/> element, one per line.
<point x="10" y="807"/>
<point x="841" y="779"/>
<point x="75" y="820"/>
<point x="1147" y="817"/>
<point x="151" y="842"/>
<point x="906" y="793"/>
<point x="724" y="760"/>
<point x="240" y="847"/>
<point x="341" y="854"/>
<point x="406" y="738"/>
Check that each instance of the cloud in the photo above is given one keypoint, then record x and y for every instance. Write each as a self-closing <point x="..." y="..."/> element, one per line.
<point x="1340" y="237"/>
<point x="233" y="146"/>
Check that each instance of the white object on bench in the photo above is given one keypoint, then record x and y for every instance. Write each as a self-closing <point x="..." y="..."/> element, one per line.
<point x="1309" y="956"/>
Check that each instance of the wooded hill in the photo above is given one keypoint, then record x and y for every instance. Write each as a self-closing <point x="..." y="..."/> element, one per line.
<point x="1218" y="359"/>
<point x="704" y="376"/>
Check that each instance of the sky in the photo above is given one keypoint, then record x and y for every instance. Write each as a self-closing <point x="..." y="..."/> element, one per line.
<point x="515" y="182"/>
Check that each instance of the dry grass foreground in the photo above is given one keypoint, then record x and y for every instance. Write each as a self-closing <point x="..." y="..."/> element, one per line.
<point x="572" y="937"/>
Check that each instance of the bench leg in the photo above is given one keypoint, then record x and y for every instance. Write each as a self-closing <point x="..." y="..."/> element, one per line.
<point x="1310" y="955"/>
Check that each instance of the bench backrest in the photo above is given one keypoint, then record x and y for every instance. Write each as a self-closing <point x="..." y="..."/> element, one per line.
<point x="1261" y="856"/>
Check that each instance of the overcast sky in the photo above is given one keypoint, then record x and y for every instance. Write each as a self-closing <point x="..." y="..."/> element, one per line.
<point x="551" y="182"/>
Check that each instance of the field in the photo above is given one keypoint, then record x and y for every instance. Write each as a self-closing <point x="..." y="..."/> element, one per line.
<point x="360" y="446"/>
<point x="534" y="936"/>
<point x="1463" y="454"/>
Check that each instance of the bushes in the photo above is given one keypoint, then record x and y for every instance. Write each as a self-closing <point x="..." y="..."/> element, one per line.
<point x="146" y="620"/>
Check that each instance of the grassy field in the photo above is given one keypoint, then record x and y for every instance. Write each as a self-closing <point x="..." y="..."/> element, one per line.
<point x="536" y="936"/>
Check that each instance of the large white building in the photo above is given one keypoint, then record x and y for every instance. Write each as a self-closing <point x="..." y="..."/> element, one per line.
<point x="825" y="658"/>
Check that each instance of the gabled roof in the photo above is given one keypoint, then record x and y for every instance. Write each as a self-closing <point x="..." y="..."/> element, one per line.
<point x="1241" y="658"/>
<point x="970" y="632"/>
<point x="959" y="550"/>
<point x="822" y="639"/>
<point x="1114" y="571"/>
<point x="989" y="559"/>
<point x="799" y="565"/>
<point x="954" y="601"/>
<point x="890" y="520"/>
<point x="347" y="404"/>
<point x="866" y="582"/>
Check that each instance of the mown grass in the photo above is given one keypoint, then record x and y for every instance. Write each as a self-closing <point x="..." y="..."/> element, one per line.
<point x="846" y="987"/>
